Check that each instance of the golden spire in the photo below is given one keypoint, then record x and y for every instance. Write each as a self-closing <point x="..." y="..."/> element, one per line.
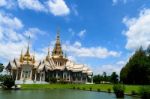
<point x="21" y="56"/>
<point x="57" y="51"/>
<point x="48" y="54"/>
<point x="28" y="48"/>
<point x="33" y="59"/>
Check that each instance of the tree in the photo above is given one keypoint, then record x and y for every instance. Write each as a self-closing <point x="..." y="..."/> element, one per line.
<point x="1" y="67"/>
<point x="137" y="70"/>
<point x="97" y="79"/>
<point x="104" y="76"/>
<point x="114" y="78"/>
<point x="8" y="81"/>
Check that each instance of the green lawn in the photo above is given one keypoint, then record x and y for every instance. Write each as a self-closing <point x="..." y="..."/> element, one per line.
<point x="95" y="87"/>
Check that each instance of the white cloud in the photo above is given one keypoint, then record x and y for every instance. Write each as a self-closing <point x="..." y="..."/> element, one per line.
<point x="7" y="3"/>
<point x="58" y="7"/>
<point x="74" y="9"/>
<point x="82" y="33"/>
<point x="32" y="32"/>
<point x="13" y="38"/>
<point x="31" y="4"/>
<point x="138" y="31"/>
<point x="117" y="1"/>
<point x="77" y="50"/>
<point x="70" y="30"/>
<point x="8" y="27"/>
<point x="3" y="3"/>
<point x="109" y="68"/>
<point x="9" y="22"/>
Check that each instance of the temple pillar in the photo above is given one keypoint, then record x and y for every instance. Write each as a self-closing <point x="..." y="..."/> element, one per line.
<point x="86" y="80"/>
<point x="40" y="77"/>
<point x="35" y="77"/>
<point x="56" y="74"/>
<point x="17" y="75"/>
<point x="21" y="74"/>
<point x="69" y="76"/>
<point x="92" y="79"/>
<point x="31" y="75"/>
<point x="63" y="75"/>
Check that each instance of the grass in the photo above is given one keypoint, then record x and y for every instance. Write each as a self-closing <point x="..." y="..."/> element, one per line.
<point x="95" y="87"/>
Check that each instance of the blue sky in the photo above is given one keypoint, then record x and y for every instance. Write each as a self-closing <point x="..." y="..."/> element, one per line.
<point x="102" y="34"/>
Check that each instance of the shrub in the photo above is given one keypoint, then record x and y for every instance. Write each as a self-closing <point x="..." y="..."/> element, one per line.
<point x="78" y="88"/>
<point x="119" y="90"/>
<point x="74" y="88"/>
<point x="109" y="90"/>
<point x="83" y="88"/>
<point x="133" y="92"/>
<point x="8" y="81"/>
<point x="52" y="80"/>
<point x="98" y="90"/>
<point x="90" y="88"/>
<point x="145" y="92"/>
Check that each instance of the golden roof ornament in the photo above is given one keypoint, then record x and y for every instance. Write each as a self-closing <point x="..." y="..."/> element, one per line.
<point x="57" y="51"/>
<point x="48" y="54"/>
<point x="28" y="48"/>
<point x="21" y="56"/>
<point x="33" y="59"/>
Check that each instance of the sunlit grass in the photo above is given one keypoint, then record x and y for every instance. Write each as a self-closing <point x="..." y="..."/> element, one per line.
<point x="95" y="87"/>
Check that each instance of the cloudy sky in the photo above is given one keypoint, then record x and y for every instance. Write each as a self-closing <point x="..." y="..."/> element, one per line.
<point x="102" y="34"/>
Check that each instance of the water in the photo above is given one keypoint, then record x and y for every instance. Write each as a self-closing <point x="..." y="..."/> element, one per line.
<point x="56" y="94"/>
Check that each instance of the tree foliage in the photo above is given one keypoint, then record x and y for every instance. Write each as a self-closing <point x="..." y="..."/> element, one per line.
<point x="1" y="67"/>
<point x="137" y="70"/>
<point x="8" y="81"/>
<point x="114" y="78"/>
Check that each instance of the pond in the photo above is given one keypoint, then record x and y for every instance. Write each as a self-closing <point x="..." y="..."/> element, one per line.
<point x="56" y="94"/>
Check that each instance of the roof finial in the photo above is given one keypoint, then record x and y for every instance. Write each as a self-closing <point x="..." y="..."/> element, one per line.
<point x="48" y="51"/>
<point x="58" y="35"/>
<point x="21" y="56"/>
<point x="28" y="48"/>
<point x="33" y="60"/>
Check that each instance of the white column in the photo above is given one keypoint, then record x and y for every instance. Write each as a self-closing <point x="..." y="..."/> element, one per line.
<point x="17" y="75"/>
<point x="92" y="79"/>
<point x="63" y="75"/>
<point x="40" y="77"/>
<point x="21" y="74"/>
<point x="44" y="76"/>
<point x="35" y="77"/>
<point x="86" y="80"/>
<point x="56" y="74"/>
<point x="69" y="76"/>
<point x="31" y="75"/>
<point x="81" y="78"/>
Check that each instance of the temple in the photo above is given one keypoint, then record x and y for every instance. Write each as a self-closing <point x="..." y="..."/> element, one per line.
<point x="55" y="65"/>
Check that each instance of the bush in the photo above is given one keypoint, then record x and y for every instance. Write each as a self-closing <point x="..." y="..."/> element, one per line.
<point x="78" y="88"/>
<point x="145" y="92"/>
<point x="98" y="90"/>
<point x="52" y="80"/>
<point x="109" y="90"/>
<point x="74" y="88"/>
<point x="8" y="81"/>
<point x="133" y="92"/>
<point x="83" y="88"/>
<point x="119" y="90"/>
<point x="63" y="81"/>
<point x="90" y="88"/>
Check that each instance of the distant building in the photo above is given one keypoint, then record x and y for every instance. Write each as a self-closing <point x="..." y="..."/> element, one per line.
<point x="26" y="68"/>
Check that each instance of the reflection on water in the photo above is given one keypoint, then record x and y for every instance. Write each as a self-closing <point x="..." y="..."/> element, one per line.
<point x="56" y="94"/>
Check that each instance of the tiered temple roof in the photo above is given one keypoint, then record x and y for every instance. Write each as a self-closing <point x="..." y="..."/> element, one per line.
<point x="56" y="61"/>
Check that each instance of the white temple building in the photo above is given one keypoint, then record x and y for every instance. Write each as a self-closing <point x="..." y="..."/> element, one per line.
<point x="56" y="65"/>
